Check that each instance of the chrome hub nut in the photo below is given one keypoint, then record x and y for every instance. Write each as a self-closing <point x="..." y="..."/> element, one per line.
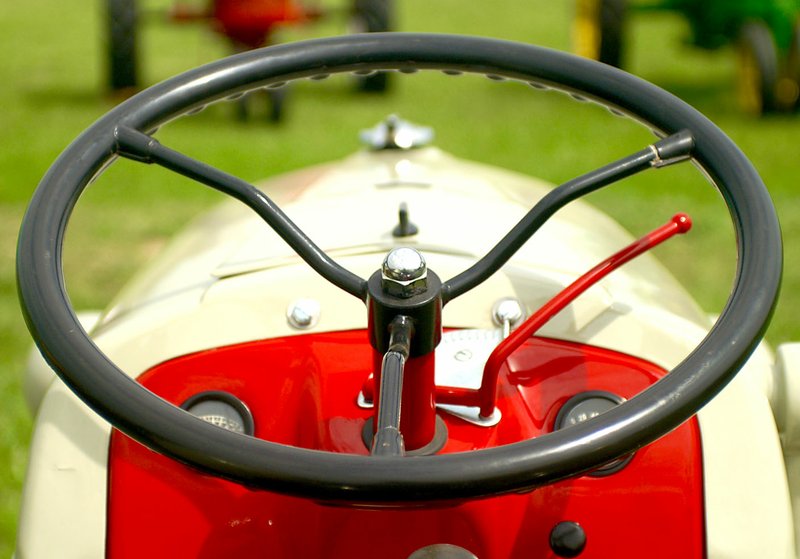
<point x="404" y="273"/>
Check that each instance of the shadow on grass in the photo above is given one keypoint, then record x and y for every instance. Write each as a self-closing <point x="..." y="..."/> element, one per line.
<point x="77" y="97"/>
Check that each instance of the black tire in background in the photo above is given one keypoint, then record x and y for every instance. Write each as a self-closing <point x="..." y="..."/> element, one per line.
<point x="598" y="30"/>
<point x="121" y="44"/>
<point x="275" y="101"/>
<point x="758" y="68"/>
<point x="373" y="16"/>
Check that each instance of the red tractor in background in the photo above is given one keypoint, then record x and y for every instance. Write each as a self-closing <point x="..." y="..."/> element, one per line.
<point x="247" y="24"/>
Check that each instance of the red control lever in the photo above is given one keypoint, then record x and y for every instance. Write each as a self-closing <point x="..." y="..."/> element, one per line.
<point x="487" y="393"/>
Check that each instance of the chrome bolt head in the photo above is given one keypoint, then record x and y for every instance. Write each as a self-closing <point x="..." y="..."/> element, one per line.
<point x="507" y="313"/>
<point x="404" y="273"/>
<point x="303" y="314"/>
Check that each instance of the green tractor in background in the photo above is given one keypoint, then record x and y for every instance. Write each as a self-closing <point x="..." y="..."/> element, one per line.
<point x="766" y="34"/>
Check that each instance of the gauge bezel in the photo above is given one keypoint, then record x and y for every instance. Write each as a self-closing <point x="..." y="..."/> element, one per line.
<point x="615" y="465"/>
<point x="227" y="398"/>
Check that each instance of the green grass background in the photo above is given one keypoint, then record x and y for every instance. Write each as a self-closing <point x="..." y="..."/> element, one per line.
<point x="52" y="87"/>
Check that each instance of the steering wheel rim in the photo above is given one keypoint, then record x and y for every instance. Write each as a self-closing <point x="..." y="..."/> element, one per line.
<point x="362" y="479"/>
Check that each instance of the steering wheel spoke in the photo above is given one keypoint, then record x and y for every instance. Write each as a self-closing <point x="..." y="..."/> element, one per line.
<point x="672" y="149"/>
<point x="138" y="146"/>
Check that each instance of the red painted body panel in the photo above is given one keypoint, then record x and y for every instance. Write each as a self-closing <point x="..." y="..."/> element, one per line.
<point x="302" y="390"/>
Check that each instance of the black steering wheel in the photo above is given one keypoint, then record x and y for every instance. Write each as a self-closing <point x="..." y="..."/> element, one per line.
<point x="362" y="479"/>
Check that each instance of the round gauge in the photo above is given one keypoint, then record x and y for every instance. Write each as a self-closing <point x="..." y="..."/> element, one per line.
<point x="222" y="409"/>
<point x="585" y="406"/>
